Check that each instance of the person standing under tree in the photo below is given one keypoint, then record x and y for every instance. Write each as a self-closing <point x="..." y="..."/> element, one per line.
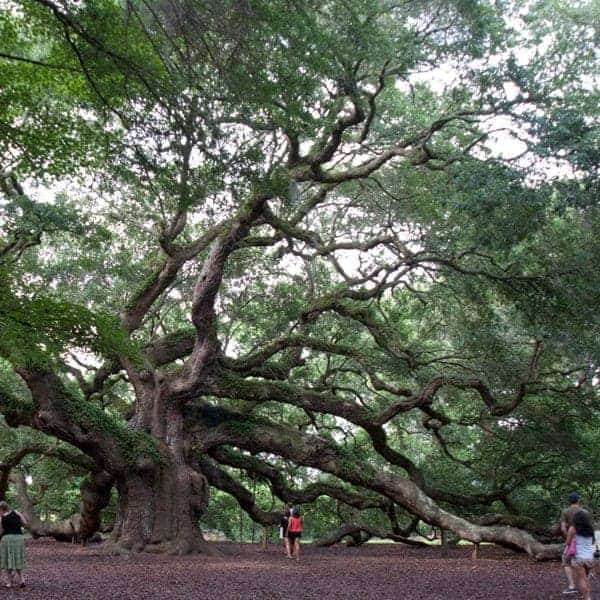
<point x="566" y="522"/>
<point x="12" y="545"/>
<point x="582" y="562"/>
<point x="295" y="527"/>
<point x="283" y="531"/>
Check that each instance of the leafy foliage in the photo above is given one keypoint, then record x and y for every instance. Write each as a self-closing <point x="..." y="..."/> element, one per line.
<point x="381" y="220"/>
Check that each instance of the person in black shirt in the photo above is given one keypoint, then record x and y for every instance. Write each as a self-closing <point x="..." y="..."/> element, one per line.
<point x="12" y="545"/>
<point x="283" y="531"/>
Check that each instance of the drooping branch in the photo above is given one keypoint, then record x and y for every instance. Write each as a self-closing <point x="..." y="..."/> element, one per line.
<point x="360" y="534"/>
<point x="95" y="492"/>
<point x="62" y="530"/>
<point x="231" y="386"/>
<point x="219" y="427"/>
<point x="310" y="493"/>
<point x="551" y="535"/>
<point x="79" y="527"/>
<point x="222" y="480"/>
<point x="225" y="482"/>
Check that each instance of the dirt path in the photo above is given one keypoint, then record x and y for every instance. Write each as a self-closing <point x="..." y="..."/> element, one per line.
<point x="378" y="571"/>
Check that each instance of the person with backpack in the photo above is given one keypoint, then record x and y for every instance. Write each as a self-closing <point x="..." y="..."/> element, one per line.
<point x="580" y="551"/>
<point x="295" y="527"/>
<point x="283" y="531"/>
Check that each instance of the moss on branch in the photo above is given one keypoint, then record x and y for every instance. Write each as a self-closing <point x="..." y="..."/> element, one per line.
<point x="17" y="411"/>
<point x="133" y="445"/>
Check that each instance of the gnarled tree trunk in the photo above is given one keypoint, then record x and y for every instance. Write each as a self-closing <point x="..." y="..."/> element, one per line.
<point x="161" y="513"/>
<point x="159" y="508"/>
<point x="80" y="527"/>
<point x="95" y="496"/>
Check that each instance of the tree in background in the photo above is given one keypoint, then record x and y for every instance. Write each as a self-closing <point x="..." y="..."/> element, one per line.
<point x="347" y="245"/>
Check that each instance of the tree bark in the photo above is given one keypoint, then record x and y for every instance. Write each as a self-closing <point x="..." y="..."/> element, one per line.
<point x="161" y="515"/>
<point x="95" y="496"/>
<point x="64" y="530"/>
<point x="159" y="510"/>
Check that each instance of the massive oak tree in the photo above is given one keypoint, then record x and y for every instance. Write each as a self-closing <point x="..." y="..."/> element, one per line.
<point x="331" y="234"/>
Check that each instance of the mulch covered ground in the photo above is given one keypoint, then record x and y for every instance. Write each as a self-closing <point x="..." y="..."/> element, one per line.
<point x="381" y="571"/>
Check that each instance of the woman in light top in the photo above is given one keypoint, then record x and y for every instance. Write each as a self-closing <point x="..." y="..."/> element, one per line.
<point x="12" y="545"/>
<point x="582" y="531"/>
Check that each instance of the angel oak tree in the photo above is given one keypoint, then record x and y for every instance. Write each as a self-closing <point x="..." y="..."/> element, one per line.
<point x="307" y="231"/>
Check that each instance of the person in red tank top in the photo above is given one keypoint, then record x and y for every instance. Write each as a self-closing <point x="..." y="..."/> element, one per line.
<point x="295" y="527"/>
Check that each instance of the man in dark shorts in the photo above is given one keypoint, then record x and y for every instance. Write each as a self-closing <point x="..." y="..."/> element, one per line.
<point x="283" y="531"/>
<point x="566" y="520"/>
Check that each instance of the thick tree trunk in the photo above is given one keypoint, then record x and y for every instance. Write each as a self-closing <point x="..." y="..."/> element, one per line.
<point x="160" y="495"/>
<point x="162" y="514"/>
<point x="159" y="510"/>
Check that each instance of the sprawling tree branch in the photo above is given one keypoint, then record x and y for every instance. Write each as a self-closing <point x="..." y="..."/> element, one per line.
<point x="55" y="411"/>
<point x="328" y="403"/>
<point x="310" y="493"/>
<point x="95" y="492"/>
<point x="222" y="480"/>
<point x="141" y="303"/>
<point x="79" y="527"/>
<point x="218" y="427"/>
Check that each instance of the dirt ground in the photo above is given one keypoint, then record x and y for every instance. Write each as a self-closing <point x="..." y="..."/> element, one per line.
<point x="381" y="571"/>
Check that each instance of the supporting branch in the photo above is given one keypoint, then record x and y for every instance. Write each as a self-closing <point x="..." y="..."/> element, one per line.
<point x="355" y="532"/>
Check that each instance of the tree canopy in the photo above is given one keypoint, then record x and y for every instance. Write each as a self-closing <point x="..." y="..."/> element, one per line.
<point x="330" y="252"/>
